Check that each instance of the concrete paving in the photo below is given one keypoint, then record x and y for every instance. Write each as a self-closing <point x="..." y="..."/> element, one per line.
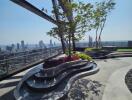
<point x="116" y="88"/>
<point x="107" y="67"/>
<point x="112" y="76"/>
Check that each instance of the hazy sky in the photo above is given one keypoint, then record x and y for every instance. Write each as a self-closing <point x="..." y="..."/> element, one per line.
<point x="17" y="23"/>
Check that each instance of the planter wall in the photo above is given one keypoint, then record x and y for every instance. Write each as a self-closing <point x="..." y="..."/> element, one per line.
<point x="52" y="83"/>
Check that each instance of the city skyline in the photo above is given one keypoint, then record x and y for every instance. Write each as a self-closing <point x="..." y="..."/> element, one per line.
<point x="21" y="45"/>
<point x="19" y="24"/>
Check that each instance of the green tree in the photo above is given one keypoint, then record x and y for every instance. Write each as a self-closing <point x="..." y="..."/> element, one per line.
<point x="100" y="15"/>
<point x="76" y="21"/>
<point x="76" y="18"/>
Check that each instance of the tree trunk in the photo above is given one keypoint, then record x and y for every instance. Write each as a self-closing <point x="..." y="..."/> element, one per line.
<point x="70" y="44"/>
<point x="96" y="39"/>
<point x="63" y="44"/>
<point x="99" y="39"/>
<point x="73" y="41"/>
<point x="54" y="2"/>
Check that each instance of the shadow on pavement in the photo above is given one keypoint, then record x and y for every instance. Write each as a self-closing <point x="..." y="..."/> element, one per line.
<point x="14" y="77"/>
<point x="85" y="89"/>
<point x="9" y="84"/>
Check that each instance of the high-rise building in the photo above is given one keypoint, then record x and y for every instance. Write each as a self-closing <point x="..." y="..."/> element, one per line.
<point x="51" y="43"/>
<point x="18" y="46"/>
<point x="9" y="48"/>
<point x="13" y="47"/>
<point x="41" y="44"/>
<point x="22" y="45"/>
<point x="129" y="43"/>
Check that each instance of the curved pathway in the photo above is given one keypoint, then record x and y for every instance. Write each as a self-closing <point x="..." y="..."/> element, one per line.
<point x="112" y="77"/>
<point x="116" y="88"/>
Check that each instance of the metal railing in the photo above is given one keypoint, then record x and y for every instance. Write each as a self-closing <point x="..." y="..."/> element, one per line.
<point x="17" y="62"/>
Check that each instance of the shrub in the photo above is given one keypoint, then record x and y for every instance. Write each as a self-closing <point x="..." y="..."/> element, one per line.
<point x="92" y="49"/>
<point x="72" y="58"/>
<point x="88" y="49"/>
<point x="84" y="56"/>
<point x="76" y="56"/>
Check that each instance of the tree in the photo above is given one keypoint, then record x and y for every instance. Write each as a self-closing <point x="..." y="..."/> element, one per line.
<point x="54" y="33"/>
<point x="77" y="18"/>
<point x="60" y="25"/>
<point x="77" y="24"/>
<point x="110" y="5"/>
<point x="100" y="16"/>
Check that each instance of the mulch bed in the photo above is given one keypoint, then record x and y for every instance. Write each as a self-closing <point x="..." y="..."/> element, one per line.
<point x="128" y="80"/>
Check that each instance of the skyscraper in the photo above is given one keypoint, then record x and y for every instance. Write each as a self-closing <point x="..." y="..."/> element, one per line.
<point x="18" y="46"/>
<point x="41" y="44"/>
<point x="22" y="45"/>
<point x="51" y="44"/>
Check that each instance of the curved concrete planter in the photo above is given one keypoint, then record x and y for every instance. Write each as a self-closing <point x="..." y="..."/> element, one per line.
<point x="115" y="55"/>
<point x="55" y="83"/>
<point x="119" y="55"/>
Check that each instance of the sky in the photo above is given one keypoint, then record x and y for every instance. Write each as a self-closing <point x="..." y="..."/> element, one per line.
<point x="17" y="23"/>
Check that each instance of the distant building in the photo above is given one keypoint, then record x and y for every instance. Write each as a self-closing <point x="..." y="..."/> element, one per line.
<point x="8" y="48"/>
<point x="41" y="44"/>
<point x="108" y="44"/>
<point x="18" y="46"/>
<point x="129" y="43"/>
<point x="115" y="43"/>
<point x="13" y="48"/>
<point x="26" y="46"/>
<point x="51" y="43"/>
<point x="22" y="45"/>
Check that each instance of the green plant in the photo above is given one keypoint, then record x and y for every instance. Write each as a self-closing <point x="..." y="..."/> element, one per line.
<point x="88" y="49"/>
<point x="84" y="56"/>
<point x="92" y="49"/>
<point x="124" y="50"/>
<point x="67" y="52"/>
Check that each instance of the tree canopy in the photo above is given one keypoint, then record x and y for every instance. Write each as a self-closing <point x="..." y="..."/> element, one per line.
<point x="77" y="18"/>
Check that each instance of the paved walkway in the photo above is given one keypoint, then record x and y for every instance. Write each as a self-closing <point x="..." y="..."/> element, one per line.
<point x="112" y="76"/>
<point x="116" y="88"/>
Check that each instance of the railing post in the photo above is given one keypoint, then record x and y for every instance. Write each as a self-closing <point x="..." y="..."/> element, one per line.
<point x="7" y="66"/>
<point x="25" y="58"/>
<point x="50" y="51"/>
